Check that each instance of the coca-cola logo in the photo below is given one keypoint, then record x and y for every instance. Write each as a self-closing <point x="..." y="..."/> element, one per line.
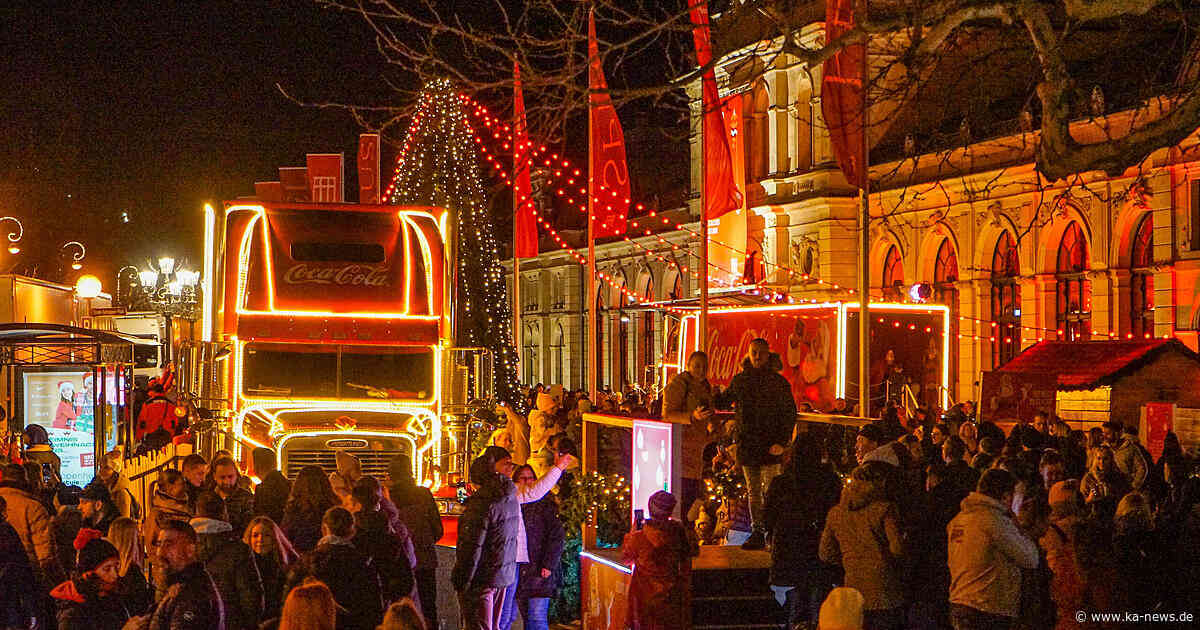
<point x="348" y="275"/>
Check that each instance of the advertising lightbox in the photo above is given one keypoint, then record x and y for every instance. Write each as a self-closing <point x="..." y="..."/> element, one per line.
<point x="64" y="403"/>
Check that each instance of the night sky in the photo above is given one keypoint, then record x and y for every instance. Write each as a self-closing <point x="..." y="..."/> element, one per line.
<point x="154" y="108"/>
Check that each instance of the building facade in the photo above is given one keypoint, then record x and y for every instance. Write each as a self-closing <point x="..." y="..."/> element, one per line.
<point x="1016" y="259"/>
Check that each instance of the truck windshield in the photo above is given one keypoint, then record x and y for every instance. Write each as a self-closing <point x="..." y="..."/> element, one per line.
<point x="363" y="372"/>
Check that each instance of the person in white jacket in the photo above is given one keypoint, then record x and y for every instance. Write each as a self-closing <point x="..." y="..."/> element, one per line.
<point x="525" y="494"/>
<point x="986" y="554"/>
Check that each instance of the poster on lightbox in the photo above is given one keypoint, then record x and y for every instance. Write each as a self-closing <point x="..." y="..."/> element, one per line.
<point x="63" y="403"/>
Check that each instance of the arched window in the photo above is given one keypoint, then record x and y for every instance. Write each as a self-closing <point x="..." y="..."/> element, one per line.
<point x="557" y="350"/>
<point x="893" y="275"/>
<point x="945" y="291"/>
<point x="1074" y="290"/>
<point x="757" y="138"/>
<point x="647" y="334"/>
<point x="1141" y="284"/>
<point x="1006" y="301"/>
<point x="530" y="341"/>
<point x="624" y="323"/>
<point x="601" y="322"/>
<point x="804" y="130"/>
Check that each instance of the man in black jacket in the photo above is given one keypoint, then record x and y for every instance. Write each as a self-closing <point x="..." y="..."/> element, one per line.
<point x="345" y="570"/>
<point x="191" y="601"/>
<point x="486" y="553"/>
<point x="766" y="413"/>
<point x="272" y="492"/>
<point x="239" y="503"/>
<point x="227" y="560"/>
<point x="419" y="513"/>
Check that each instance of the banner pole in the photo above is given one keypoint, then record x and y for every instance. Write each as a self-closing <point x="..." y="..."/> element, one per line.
<point x="864" y="254"/>
<point x="593" y="304"/>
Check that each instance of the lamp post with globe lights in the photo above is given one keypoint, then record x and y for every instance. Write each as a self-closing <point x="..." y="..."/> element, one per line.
<point x="168" y="287"/>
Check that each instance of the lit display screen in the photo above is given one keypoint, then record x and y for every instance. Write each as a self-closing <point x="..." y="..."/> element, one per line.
<point x="651" y="462"/>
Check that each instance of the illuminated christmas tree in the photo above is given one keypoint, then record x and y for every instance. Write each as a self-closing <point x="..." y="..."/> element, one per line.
<point x="439" y="166"/>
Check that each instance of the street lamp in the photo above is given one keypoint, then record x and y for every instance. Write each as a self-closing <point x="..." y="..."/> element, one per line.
<point x="76" y="257"/>
<point x="14" y="237"/>
<point x="169" y="287"/>
<point x="88" y="286"/>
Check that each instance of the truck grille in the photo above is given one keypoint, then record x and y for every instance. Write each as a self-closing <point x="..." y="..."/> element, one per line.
<point x="374" y="463"/>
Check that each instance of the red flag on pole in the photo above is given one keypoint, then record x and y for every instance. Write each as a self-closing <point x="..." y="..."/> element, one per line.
<point x="721" y="194"/>
<point x="611" y="190"/>
<point x="841" y="91"/>
<point x="525" y="231"/>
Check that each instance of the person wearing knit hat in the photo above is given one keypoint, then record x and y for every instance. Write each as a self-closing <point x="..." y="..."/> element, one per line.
<point x="91" y="600"/>
<point x="661" y="505"/>
<point x="1067" y="587"/>
<point x="661" y="554"/>
<point x="842" y="610"/>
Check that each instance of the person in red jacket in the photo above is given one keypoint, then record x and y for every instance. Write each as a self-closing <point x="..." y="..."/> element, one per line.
<point x="158" y="413"/>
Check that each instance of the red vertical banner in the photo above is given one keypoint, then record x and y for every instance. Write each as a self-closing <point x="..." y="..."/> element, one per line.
<point x="721" y="195"/>
<point x="611" y="190"/>
<point x="841" y="92"/>
<point x="368" y="168"/>
<point x="525" y="232"/>
<point x="326" y="177"/>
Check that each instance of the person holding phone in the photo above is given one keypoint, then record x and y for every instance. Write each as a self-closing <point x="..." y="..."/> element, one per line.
<point x="688" y="400"/>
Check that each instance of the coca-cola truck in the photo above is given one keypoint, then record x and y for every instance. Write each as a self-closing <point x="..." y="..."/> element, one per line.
<point x="817" y="346"/>
<point x="326" y="327"/>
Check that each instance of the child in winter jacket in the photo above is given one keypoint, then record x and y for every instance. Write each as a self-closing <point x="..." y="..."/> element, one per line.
<point x="661" y="552"/>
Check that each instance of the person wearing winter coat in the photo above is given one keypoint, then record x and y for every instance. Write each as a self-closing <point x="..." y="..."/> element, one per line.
<point x="132" y="585"/>
<point x="271" y="495"/>
<point x="1067" y="588"/>
<point x="227" y="560"/>
<point x="986" y="554"/>
<point x="542" y="421"/>
<point x="766" y="413"/>
<point x="168" y="502"/>
<point x="1104" y="484"/>
<point x="272" y="556"/>
<point x="862" y="534"/>
<point x="39" y="450"/>
<point x="544" y="535"/>
<point x="96" y="504"/>
<point x="486" y="553"/>
<point x="794" y="528"/>
<point x="16" y="576"/>
<point x="688" y="400"/>
<point x="1126" y="453"/>
<point x="417" y="510"/>
<point x="345" y="570"/>
<point x="237" y="501"/>
<point x="385" y="542"/>
<point x="660" y="589"/>
<point x="31" y="521"/>
<point x="91" y="601"/>
<point x="191" y="600"/>
<point x="312" y="495"/>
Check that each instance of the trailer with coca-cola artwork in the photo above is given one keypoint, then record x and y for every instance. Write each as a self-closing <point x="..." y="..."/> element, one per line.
<point x="817" y="348"/>
<point x="329" y="328"/>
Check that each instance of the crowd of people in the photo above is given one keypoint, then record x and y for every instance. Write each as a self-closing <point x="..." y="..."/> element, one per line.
<point x="940" y="521"/>
<point x="214" y="549"/>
